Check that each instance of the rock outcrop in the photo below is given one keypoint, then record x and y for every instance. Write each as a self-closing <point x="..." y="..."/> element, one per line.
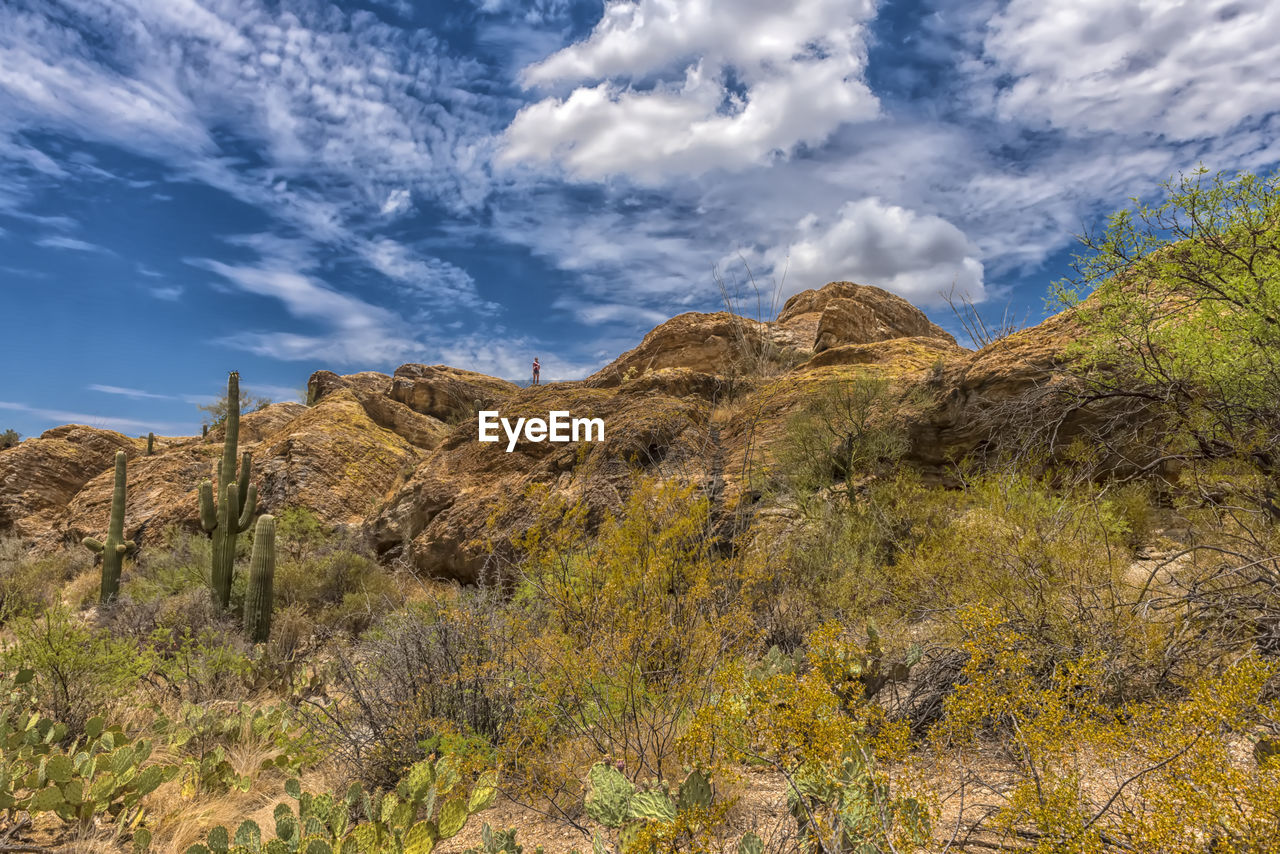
<point x="335" y="460"/>
<point x="332" y="459"/>
<point x="847" y="313"/>
<point x="704" y="399"/>
<point x="468" y="496"/>
<point x="40" y="477"/>
<point x="373" y="391"/>
<point x="999" y="395"/>
<point x="162" y="493"/>
<point x="448" y="394"/>
<point x="256" y="425"/>
<point x="720" y="344"/>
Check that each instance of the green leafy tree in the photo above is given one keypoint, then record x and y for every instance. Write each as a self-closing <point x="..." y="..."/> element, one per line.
<point x="215" y="413"/>
<point x="1182" y="322"/>
<point x="848" y="429"/>
<point x="9" y="438"/>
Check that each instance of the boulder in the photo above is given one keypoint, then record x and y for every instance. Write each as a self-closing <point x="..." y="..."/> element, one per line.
<point x="261" y="422"/>
<point x="373" y="390"/>
<point x="989" y="400"/>
<point x="719" y="344"/>
<point x="679" y="382"/>
<point x="902" y="354"/>
<point x="334" y="460"/>
<point x="448" y="394"/>
<point x="848" y="313"/>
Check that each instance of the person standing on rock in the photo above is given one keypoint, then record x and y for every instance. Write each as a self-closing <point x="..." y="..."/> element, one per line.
<point x="537" y="369"/>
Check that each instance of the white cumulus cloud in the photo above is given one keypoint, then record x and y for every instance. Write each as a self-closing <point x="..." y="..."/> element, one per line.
<point x="663" y="88"/>
<point x="917" y="256"/>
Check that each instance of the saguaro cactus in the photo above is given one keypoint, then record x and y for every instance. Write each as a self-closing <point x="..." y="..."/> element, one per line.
<point x="114" y="549"/>
<point x="151" y="444"/>
<point x="226" y="518"/>
<point x="262" y="570"/>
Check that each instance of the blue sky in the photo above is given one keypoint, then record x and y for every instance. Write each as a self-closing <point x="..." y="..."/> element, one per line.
<point x="191" y="186"/>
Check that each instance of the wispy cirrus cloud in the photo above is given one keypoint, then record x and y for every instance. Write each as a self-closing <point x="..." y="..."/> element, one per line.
<point x="352" y="330"/>
<point x="140" y="394"/>
<point x="61" y="241"/>
<point x="167" y="293"/>
<point x="348" y="115"/>
<point x="131" y="393"/>
<point x="106" y="422"/>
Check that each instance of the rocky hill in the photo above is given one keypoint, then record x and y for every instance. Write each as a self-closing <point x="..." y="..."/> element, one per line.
<point x="396" y="458"/>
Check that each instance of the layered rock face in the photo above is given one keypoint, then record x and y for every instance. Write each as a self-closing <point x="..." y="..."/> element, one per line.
<point x="467" y="498"/>
<point x="448" y="394"/>
<point x="847" y="313"/>
<point x="702" y="399"/>
<point x="40" y="477"/>
<point x="718" y="344"/>
<point x="331" y="458"/>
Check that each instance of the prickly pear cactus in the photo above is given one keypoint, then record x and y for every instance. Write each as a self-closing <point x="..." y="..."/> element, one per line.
<point x="403" y="821"/>
<point x="615" y="802"/>
<point x="695" y="791"/>
<point x="608" y="795"/>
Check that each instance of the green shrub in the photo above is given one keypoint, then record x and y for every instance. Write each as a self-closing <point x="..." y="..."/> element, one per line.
<point x="1132" y="503"/>
<point x="843" y="562"/>
<point x="205" y="665"/>
<point x="300" y="533"/>
<point x="322" y="582"/>
<point x="177" y="563"/>
<point x="847" y="430"/>
<point x="196" y="649"/>
<point x="1053" y="561"/>
<point x="30" y="583"/>
<point x="80" y="672"/>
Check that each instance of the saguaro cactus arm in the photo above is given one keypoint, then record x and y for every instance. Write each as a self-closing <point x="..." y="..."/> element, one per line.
<point x="249" y="508"/>
<point x="93" y="545"/>
<point x="208" y="511"/>
<point x="246" y="463"/>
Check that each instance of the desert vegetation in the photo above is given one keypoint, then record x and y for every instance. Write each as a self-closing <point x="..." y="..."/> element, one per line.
<point x="1065" y="641"/>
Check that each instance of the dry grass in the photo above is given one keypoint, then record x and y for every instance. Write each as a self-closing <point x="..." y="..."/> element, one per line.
<point x="184" y="822"/>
